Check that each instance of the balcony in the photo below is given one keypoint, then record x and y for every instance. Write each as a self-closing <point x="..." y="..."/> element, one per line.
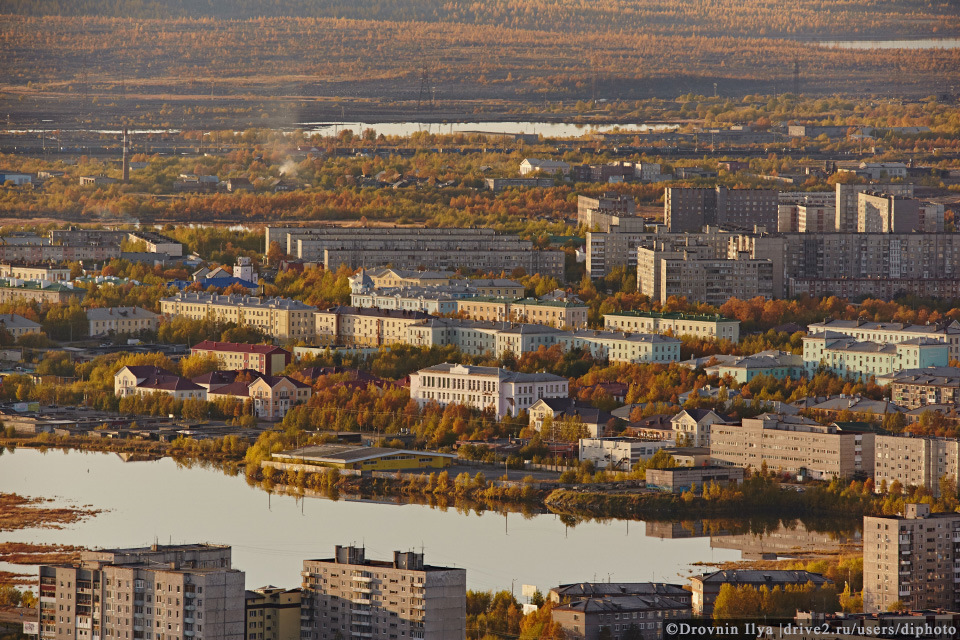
<point x="361" y="601"/>
<point x="188" y="620"/>
<point x="366" y="579"/>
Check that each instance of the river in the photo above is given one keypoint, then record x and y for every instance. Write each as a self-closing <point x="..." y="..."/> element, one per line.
<point x="271" y="535"/>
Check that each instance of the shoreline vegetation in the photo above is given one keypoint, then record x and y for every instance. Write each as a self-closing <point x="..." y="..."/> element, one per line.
<point x="580" y="497"/>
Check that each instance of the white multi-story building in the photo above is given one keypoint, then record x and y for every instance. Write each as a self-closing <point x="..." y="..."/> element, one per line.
<point x="893" y="332"/>
<point x="849" y="357"/>
<point x="619" y="454"/>
<point x="504" y="392"/>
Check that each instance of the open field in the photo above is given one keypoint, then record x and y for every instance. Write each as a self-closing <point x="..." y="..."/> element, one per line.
<point x="286" y="62"/>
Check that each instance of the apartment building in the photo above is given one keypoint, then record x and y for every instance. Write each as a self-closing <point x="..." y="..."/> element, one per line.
<point x="912" y="559"/>
<point x="163" y="592"/>
<point x="795" y="445"/>
<point x="442" y="282"/>
<point x="485" y="388"/>
<point x="850" y="358"/>
<point x="532" y="166"/>
<point x="715" y="327"/>
<point x="598" y="213"/>
<point x="694" y="425"/>
<point x="450" y="248"/>
<point x="49" y="273"/>
<point x="887" y="213"/>
<point x="272" y="396"/>
<point x="893" y="332"/>
<point x="265" y="358"/>
<point x="774" y="363"/>
<point x="566" y="312"/>
<point x="688" y="209"/>
<point x="38" y="291"/>
<point x="915" y="461"/>
<point x="18" y="326"/>
<point x="788" y="211"/>
<point x="121" y="321"/>
<point x="350" y="596"/>
<point x="279" y="318"/>
<point x="619" y="454"/>
<point x="156" y="242"/>
<point x="272" y="614"/>
<point x="618" y="617"/>
<point x="847" y="201"/>
<point x="915" y="388"/>
<point x="706" y="588"/>
<point x="352" y="326"/>
<point x="479" y="338"/>
<point x="617" y="245"/>
<point x="502" y="184"/>
<point x="624" y="347"/>
<point x="686" y="274"/>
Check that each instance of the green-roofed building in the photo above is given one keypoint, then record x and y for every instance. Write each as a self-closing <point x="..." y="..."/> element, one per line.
<point x="678" y="324"/>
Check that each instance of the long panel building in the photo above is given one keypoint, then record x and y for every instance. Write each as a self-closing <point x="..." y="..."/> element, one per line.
<point x="406" y="248"/>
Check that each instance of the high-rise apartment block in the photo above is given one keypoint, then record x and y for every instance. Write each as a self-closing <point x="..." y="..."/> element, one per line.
<point x="912" y="560"/>
<point x="847" y="201"/>
<point x="691" y="209"/>
<point x="918" y="462"/>
<point x="349" y="596"/>
<point x="178" y="592"/>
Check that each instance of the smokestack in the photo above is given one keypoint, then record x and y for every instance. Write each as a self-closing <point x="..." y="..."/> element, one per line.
<point x="126" y="159"/>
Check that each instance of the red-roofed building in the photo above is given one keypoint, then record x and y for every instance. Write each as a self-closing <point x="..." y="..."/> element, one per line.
<point x="272" y="396"/>
<point x="265" y="358"/>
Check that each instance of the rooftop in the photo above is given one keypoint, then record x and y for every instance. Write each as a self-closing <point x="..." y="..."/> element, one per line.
<point x="699" y="317"/>
<point x="346" y="453"/>
<point x="237" y="347"/>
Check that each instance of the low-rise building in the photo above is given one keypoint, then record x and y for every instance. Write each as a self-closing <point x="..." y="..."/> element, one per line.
<point x="694" y="425"/>
<point x="619" y="454"/>
<point x="279" y="318"/>
<point x="121" y="320"/>
<point x="485" y="388"/>
<point x="353" y="326"/>
<point x="18" y="326"/>
<point x="156" y="242"/>
<point x="532" y="166"/>
<point x="775" y="363"/>
<point x="50" y="273"/>
<point x="892" y="332"/>
<point x="550" y="411"/>
<point x="795" y="445"/>
<point x="677" y="324"/>
<point x="502" y="184"/>
<point x="265" y="358"/>
<point x="357" y="458"/>
<point x="915" y="388"/>
<point x="38" y="291"/>
<point x="617" y="616"/>
<point x="566" y="593"/>
<point x="272" y="614"/>
<point x="680" y="479"/>
<point x="849" y="357"/>
<point x="706" y="587"/>
<point x="272" y="396"/>
<point x="560" y="313"/>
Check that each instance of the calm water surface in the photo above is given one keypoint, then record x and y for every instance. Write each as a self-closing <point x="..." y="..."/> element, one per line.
<point x="925" y="43"/>
<point x="272" y="535"/>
